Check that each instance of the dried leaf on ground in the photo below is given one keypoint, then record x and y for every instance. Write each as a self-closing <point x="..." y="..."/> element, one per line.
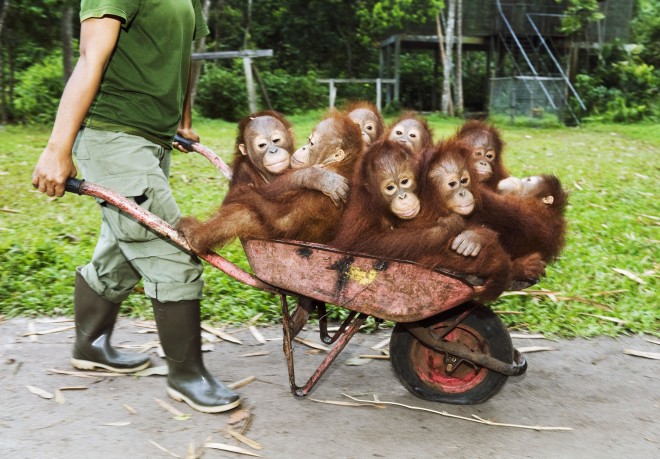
<point x="117" y="424"/>
<point x="610" y="319"/>
<point x="375" y="356"/>
<point x="170" y="408"/>
<point x="475" y="418"/>
<point x="230" y="448"/>
<point x="237" y="416"/>
<point x="630" y="275"/>
<point x="356" y="361"/>
<point x="257" y="334"/>
<point x="255" y="354"/>
<point x="242" y="382"/>
<point x="163" y="449"/>
<point x="343" y="403"/>
<point x="380" y="345"/>
<point x="52" y="330"/>
<point x="129" y="408"/>
<point x="57" y="320"/>
<point x="40" y="392"/>
<point x="311" y="344"/>
<point x="88" y="374"/>
<point x="32" y="332"/>
<point x="245" y="440"/>
<point x="650" y="340"/>
<point x="528" y="349"/>
<point x="254" y="319"/>
<point x="645" y="354"/>
<point x="73" y="388"/>
<point x="523" y="335"/>
<point x="220" y="334"/>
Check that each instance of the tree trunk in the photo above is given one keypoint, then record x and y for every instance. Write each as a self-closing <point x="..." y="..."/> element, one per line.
<point x="67" y="40"/>
<point x="3" y="14"/>
<point x="199" y="46"/>
<point x="441" y="45"/>
<point x="459" y="57"/>
<point x="4" y="117"/>
<point x="446" y="105"/>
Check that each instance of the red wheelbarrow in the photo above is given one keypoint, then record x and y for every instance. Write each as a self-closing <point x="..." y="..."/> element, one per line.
<point x="444" y="347"/>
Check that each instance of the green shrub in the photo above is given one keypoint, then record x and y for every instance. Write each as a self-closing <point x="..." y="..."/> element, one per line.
<point x="39" y="89"/>
<point x="294" y="94"/>
<point x="221" y="93"/>
<point x="621" y="88"/>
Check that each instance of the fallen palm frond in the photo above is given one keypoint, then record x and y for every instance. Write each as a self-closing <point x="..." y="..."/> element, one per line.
<point x="527" y="350"/>
<point x="221" y="334"/>
<point x="40" y="392"/>
<point x="178" y="415"/>
<point x="630" y="275"/>
<point x="645" y="354"/>
<point x="243" y="439"/>
<point x="230" y="448"/>
<point x="608" y="318"/>
<point x="242" y="382"/>
<point x="255" y="354"/>
<point x="311" y="344"/>
<point x="380" y="345"/>
<point x="88" y="374"/>
<point x="523" y="335"/>
<point x="554" y="296"/>
<point x="257" y="334"/>
<point x="475" y="418"/>
<point x="163" y="449"/>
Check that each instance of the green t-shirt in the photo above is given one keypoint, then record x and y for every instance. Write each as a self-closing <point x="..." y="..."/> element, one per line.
<point x="144" y="86"/>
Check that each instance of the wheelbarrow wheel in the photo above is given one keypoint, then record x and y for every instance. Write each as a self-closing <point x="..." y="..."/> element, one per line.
<point x="436" y="376"/>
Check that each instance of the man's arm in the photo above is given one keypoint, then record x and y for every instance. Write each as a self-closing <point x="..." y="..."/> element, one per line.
<point x="185" y="126"/>
<point x="98" y="38"/>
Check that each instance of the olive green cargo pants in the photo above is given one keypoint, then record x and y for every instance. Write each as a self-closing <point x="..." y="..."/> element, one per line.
<point x="127" y="251"/>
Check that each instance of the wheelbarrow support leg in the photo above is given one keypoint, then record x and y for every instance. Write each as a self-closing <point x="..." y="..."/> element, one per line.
<point x="341" y="343"/>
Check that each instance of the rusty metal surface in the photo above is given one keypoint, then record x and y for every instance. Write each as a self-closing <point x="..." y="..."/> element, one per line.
<point x="390" y="290"/>
<point x="214" y="158"/>
<point x="426" y="336"/>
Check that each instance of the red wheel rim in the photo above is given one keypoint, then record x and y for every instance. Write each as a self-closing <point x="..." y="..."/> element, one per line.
<point x="429" y="364"/>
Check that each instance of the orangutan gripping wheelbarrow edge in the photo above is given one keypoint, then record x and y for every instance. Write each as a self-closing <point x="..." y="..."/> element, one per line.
<point x="445" y="346"/>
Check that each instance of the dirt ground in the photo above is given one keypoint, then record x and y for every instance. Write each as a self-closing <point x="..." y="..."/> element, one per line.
<point x="609" y="399"/>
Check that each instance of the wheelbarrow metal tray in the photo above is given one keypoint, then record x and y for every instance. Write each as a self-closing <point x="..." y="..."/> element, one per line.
<point x="387" y="289"/>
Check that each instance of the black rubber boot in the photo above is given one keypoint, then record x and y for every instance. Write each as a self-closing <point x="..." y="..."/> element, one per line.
<point x="188" y="379"/>
<point x="95" y="319"/>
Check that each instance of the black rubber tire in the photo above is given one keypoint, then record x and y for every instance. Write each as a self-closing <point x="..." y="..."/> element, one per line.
<point x="422" y="371"/>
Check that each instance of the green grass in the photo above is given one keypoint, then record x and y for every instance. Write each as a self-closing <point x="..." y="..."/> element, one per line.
<point x="611" y="171"/>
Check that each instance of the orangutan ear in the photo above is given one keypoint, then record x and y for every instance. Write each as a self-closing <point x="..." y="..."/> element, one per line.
<point x="241" y="147"/>
<point x="548" y="200"/>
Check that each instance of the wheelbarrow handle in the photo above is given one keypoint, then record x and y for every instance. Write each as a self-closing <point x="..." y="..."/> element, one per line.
<point x="164" y="229"/>
<point x="197" y="147"/>
<point x="187" y="143"/>
<point x="74" y="185"/>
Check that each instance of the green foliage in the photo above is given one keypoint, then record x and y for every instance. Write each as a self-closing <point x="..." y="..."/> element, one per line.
<point x="621" y="88"/>
<point x="646" y="31"/>
<point x="417" y="81"/>
<point x="610" y="171"/>
<point x="221" y="93"/>
<point x="294" y="94"/>
<point x="578" y="14"/>
<point x="386" y="14"/>
<point x="39" y="89"/>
